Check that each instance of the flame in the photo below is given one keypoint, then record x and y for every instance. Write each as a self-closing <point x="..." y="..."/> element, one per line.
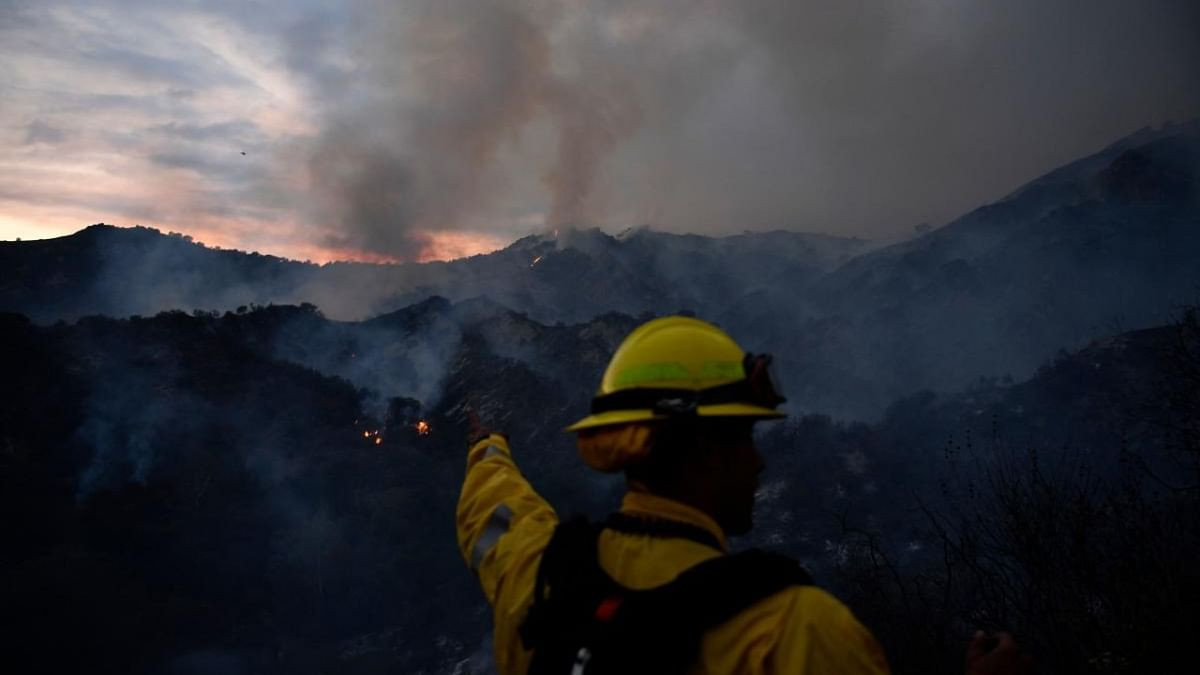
<point x="366" y="434"/>
<point x="535" y="261"/>
<point x="423" y="428"/>
<point x="378" y="440"/>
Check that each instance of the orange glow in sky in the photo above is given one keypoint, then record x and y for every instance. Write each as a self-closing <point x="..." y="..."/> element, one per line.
<point x="439" y="246"/>
<point x="246" y="236"/>
<point x="452" y="245"/>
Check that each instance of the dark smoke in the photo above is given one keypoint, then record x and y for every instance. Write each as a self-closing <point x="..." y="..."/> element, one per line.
<point x="449" y="84"/>
<point x="714" y="116"/>
<point x="591" y="124"/>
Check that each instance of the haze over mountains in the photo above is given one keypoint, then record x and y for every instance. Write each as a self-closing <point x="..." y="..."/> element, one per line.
<point x="1107" y="243"/>
<point x="571" y="275"/>
<point x="186" y="496"/>
<point x="209" y="461"/>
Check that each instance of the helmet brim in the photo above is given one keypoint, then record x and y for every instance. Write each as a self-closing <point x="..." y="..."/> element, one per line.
<point x="614" y="417"/>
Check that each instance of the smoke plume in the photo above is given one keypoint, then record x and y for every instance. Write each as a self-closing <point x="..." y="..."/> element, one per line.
<point x="711" y="117"/>
<point x="445" y="85"/>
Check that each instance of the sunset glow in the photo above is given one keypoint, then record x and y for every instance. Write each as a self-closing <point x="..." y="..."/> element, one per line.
<point x="439" y="246"/>
<point x="374" y="132"/>
<point x="37" y="223"/>
<point x="451" y="245"/>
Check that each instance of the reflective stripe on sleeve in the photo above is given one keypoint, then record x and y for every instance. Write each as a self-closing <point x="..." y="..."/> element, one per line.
<point x="496" y="527"/>
<point x="491" y="451"/>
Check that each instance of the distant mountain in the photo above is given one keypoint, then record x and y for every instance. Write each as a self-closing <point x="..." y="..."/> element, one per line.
<point x="1105" y="244"/>
<point x="110" y="271"/>
<point x="126" y="271"/>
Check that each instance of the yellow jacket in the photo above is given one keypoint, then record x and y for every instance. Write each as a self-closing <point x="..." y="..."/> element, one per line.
<point x="503" y="527"/>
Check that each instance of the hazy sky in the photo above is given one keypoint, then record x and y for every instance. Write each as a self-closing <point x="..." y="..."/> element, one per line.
<point x="431" y="128"/>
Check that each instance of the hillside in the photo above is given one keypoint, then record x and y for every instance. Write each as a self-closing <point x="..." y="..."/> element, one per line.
<point x="1106" y="244"/>
<point x="1102" y="245"/>
<point x="241" y="489"/>
<point x="571" y="277"/>
<point x="187" y="496"/>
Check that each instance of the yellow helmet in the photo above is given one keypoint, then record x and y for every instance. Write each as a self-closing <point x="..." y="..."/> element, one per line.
<point x="677" y="366"/>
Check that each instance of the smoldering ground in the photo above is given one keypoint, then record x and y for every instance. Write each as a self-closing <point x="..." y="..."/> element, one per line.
<point x="231" y="498"/>
<point x="197" y="466"/>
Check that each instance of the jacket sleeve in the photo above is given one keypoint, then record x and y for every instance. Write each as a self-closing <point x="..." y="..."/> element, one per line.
<point x="503" y="527"/>
<point x="823" y="637"/>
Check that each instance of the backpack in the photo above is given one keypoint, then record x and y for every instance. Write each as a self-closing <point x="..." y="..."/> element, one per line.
<point x="582" y="622"/>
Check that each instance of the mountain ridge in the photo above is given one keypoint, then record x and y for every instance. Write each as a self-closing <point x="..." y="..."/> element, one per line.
<point x="1109" y="241"/>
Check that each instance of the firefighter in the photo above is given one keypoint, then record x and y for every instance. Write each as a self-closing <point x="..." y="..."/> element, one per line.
<point x="654" y="588"/>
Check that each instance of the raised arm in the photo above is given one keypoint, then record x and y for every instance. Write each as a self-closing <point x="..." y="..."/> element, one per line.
<point x="503" y="527"/>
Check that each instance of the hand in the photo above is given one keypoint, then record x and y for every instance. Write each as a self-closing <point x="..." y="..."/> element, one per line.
<point x="476" y="429"/>
<point x="996" y="654"/>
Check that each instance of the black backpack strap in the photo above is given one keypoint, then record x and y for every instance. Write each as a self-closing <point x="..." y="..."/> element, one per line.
<point x="659" y="630"/>
<point x="578" y="608"/>
<point x="656" y="527"/>
<point x="712" y="592"/>
<point x="569" y="586"/>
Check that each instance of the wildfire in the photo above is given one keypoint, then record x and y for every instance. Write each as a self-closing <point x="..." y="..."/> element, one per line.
<point x="368" y="435"/>
<point x="423" y="428"/>
<point x="379" y="440"/>
<point x="535" y="261"/>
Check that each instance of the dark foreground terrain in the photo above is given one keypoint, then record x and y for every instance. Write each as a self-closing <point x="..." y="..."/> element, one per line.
<point x="191" y="494"/>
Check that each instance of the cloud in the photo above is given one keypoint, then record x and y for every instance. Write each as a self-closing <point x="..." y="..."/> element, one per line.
<point x="144" y="67"/>
<point x="383" y="127"/>
<point x="224" y="152"/>
<point x="186" y="161"/>
<point x="221" y="131"/>
<point x="717" y="117"/>
<point x="154" y="108"/>
<point x="41" y="132"/>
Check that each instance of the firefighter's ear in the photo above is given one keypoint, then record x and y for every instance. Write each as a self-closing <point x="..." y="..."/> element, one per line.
<point x="717" y="440"/>
<point x="711" y="454"/>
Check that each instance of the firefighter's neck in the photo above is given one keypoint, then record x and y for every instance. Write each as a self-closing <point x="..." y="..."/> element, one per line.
<point x="699" y="490"/>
